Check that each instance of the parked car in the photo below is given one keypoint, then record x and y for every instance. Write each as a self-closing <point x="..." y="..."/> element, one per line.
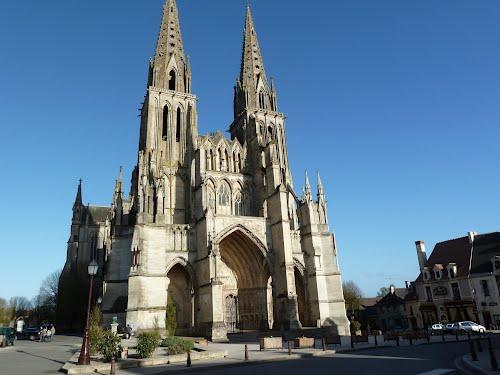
<point x="450" y="327"/>
<point x="30" y="333"/>
<point x="124" y="332"/>
<point x="436" y="329"/>
<point x="8" y="336"/>
<point x="469" y="326"/>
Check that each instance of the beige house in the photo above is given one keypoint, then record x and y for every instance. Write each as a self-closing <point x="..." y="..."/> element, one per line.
<point x="458" y="282"/>
<point x="212" y="224"/>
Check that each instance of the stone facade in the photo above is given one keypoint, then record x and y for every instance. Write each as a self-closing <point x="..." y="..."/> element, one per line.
<point x="212" y="224"/>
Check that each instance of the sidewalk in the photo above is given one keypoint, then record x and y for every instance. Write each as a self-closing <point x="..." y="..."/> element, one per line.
<point x="483" y="364"/>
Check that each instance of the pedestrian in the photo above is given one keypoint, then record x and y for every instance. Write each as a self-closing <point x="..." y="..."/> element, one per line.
<point x="42" y="334"/>
<point x="52" y="331"/>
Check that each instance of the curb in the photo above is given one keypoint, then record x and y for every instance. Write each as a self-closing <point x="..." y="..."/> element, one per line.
<point x="470" y="365"/>
<point x="209" y="367"/>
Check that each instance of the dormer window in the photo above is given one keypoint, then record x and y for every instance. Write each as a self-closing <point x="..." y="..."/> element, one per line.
<point x="452" y="270"/>
<point x="438" y="274"/>
<point x="426" y="274"/>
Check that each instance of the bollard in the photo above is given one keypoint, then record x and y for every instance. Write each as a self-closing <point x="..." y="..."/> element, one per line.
<point x="289" y="349"/>
<point x="112" y="371"/>
<point x="479" y="346"/>
<point x="376" y="341"/>
<point x="352" y="341"/>
<point x="246" y="352"/>
<point x="411" y="341"/>
<point x="397" y="340"/>
<point x="188" y="362"/>
<point x="323" y="343"/>
<point x="493" y="358"/>
<point x="444" y="338"/>
<point x="456" y="336"/>
<point x="428" y="338"/>
<point x="473" y="353"/>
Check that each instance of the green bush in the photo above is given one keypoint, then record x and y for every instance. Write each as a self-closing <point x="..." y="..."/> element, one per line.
<point x="147" y="343"/>
<point x="96" y="332"/>
<point x="355" y="326"/>
<point x="176" y="345"/>
<point x="171" y="318"/>
<point x="109" y="345"/>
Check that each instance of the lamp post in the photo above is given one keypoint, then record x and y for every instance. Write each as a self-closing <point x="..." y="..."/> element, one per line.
<point x="84" y="358"/>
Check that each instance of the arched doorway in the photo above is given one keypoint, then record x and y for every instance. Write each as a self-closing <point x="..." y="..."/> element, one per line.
<point x="246" y="279"/>
<point x="179" y="293"/>
<point x="301" y="297"/>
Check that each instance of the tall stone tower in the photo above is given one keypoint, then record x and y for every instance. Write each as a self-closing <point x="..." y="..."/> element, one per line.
<point x="213" y="225"/>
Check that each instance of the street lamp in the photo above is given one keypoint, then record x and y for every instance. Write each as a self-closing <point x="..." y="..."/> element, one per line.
<point x="84" y="358"/>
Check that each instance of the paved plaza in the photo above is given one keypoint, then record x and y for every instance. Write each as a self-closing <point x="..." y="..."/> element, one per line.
<point x="27" y="358"/>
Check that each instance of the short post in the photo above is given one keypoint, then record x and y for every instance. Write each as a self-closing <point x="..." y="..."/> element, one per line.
<point x="456" y="336"/>
<point x="397" y="340"/>
<point x="493" y="358"/>
<point x="428" y="338"/>
<point x="112" y="371"/>
<point x="411" y="341"/>
<point x="376" y="340"/>
<point x="246" y="352"/>
<point x="289" y="348"/>
<point x="188" y="362"/>
<point x="473" y="353"/>
<point x="352" y="341"/>
<point x="479" y="346"/>
<point x="444" y="337"/>
<point x="323" y="343"/>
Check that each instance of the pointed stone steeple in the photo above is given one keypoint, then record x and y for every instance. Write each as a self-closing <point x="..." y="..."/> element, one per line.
<point x="307" y="190"/>
<point x="78" y="205"/>
<point x="321" y="192"/>
<point x="169" y="67"/>
<point x="119" y="182"/>
<point x="78" y="198"/>
<point x="252" y="89"/>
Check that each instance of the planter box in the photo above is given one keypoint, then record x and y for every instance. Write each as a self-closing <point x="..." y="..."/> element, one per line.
<point x="271" y="343"/>
<point x="304" y="342"/>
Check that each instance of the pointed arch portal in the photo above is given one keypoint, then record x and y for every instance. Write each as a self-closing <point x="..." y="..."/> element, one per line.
<point x="247" y="283"/>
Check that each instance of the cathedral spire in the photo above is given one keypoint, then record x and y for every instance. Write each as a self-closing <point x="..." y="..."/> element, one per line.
<point x="321" y="192"/>
<point x="119" y="181"/>
<point x="78" y="198"/>
<point x="252" y="90"/>
<point x="307" y="191"/>
<point x="169" y="68"/>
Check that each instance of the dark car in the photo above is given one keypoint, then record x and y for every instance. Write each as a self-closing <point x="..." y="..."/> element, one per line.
<point x="9" y="336"/>
<point x="30" y="333"/>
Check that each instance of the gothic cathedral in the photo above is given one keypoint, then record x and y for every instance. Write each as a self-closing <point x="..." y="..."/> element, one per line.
<point x="212" y="225"/>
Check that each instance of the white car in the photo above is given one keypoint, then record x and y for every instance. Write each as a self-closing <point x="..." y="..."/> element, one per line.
<point x="468" y="326"/>
<point x="436" y="328"/>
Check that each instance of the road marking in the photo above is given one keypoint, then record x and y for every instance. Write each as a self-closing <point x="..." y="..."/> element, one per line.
<point x="438" y="371"/>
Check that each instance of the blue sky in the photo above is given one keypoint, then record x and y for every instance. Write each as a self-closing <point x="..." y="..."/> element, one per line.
<point x="395" y="102"/>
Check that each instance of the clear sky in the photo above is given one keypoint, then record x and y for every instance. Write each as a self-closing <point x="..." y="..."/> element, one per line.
<point x="395" y="102"/>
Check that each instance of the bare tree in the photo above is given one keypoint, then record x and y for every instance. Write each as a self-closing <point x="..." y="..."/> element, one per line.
<point x="49" y="289"/>
<point x="19" y="306"/>
<point x="352" y="296"/>
<point x="46" y="301"/>
<point x="383" y="291"/>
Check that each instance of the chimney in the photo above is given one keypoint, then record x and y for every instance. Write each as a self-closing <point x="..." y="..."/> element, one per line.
<point x="422" y="256"/>
<point x="472" y="236"/>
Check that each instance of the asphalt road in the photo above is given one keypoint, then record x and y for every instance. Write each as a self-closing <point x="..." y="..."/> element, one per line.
<point x="433" y="359"/>
<point x="30" y="357"/>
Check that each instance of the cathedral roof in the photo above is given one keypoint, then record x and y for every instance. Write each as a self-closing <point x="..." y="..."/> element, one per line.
<point x="97" y="214"/>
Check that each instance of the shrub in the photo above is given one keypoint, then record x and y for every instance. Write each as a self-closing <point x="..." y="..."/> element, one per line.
<point x="109" y="345"/>
<point x="96" y="332"/>
<point x="171" y="318"/>
<point x="355" y="326"/>
<point x="147" y="343"/>
<point x="176" y="345"/>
